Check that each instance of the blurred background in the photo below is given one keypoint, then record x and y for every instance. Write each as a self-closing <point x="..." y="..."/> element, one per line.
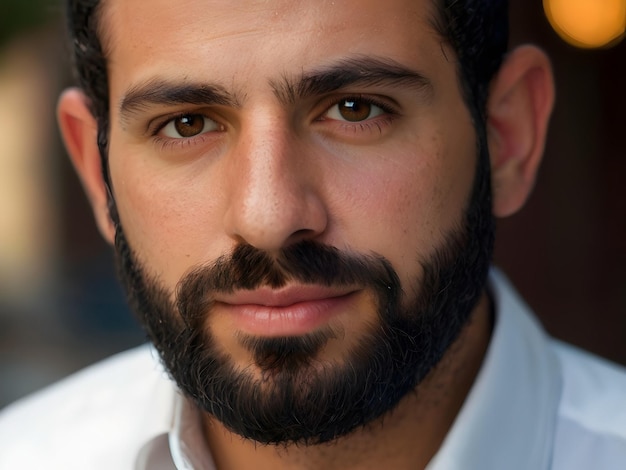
<point x="61" y="307"/>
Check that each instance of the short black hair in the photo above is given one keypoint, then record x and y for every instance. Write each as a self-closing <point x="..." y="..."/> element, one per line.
<point x="478" y="32"/>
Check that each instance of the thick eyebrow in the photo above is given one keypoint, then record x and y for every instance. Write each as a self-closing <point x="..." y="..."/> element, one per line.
<point x="162" y="92"/>
<point x="354" y="71"/>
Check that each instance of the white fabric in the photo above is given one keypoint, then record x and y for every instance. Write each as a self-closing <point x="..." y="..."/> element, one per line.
<point x="536" y="404"/>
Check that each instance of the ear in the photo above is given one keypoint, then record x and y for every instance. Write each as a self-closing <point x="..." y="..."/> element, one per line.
<point x="79" y="130"/>
<point x="518" y="110"/>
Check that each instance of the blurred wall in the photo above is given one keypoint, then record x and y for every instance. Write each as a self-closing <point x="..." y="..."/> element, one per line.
<point x="566" y="249"/>
<point x="60" y="305"/>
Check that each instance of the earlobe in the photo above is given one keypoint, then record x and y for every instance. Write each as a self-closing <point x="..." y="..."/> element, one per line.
<point x="80" y="131"/>
<point x="518" y="110"/>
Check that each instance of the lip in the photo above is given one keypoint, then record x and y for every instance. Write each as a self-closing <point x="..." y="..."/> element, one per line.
<point x="289" y="311"/>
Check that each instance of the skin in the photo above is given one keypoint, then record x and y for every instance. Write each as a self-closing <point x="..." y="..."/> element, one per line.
<point x="270" y="172"/>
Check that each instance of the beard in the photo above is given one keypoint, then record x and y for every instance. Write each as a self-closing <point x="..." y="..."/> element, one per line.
<point x="298" y="398"/>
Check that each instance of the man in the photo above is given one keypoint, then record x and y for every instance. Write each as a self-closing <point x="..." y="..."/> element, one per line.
<point x="301" y="199"/>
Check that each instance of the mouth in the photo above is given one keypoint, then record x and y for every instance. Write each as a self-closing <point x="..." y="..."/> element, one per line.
<point x="289" y="311"/>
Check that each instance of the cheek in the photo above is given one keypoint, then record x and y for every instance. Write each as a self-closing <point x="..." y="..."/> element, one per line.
<point x="167" y="214"/>
<point x="403" y="206"/>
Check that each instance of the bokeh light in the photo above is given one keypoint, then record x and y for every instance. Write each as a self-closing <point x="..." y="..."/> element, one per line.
<point x="588" y="23"/>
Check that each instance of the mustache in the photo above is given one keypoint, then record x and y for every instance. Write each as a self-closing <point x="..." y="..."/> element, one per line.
<point x="306" y="262"/>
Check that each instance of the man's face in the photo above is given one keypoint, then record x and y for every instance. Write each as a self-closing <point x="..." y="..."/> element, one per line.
<point x="240" y="130"/>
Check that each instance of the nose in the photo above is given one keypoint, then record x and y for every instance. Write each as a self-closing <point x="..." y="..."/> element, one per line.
<point x="275" y="196"/>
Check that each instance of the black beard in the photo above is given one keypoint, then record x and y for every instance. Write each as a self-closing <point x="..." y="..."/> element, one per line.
<point x="295" y="401"/>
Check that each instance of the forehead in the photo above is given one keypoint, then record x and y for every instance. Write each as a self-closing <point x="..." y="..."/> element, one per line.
<point x="237" y="40"/>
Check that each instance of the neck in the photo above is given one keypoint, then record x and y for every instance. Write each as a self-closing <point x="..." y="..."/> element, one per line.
<point x="405" y="438"/>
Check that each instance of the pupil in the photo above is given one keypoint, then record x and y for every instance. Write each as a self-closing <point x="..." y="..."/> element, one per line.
<point x="352" y="110"/>
<point x="190" y="125"/>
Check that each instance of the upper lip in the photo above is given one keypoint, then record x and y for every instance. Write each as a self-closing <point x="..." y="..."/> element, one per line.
<point x="282" y="297"/>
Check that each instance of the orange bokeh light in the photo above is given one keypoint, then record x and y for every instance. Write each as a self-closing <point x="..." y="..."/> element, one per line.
<point x="587" y="23"/>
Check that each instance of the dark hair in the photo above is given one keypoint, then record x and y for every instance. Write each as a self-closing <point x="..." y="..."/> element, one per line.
<point x="476" y="30"/>
<point x="90" y="66"/>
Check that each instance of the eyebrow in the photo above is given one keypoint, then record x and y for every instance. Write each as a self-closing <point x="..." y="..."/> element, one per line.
<point x="162" y="92"/>
<point x="354" y="71"/>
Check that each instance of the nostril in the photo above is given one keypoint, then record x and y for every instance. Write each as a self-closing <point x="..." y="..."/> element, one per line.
<point x="302" y="234"/>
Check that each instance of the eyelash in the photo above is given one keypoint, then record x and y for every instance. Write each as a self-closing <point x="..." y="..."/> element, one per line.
<point x="168" y="143"/>
<point x="370" y="124"/>
<point x="161" y="123"/>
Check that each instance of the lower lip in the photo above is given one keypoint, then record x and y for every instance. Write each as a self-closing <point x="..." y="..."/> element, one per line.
<point x="293" y="320"/>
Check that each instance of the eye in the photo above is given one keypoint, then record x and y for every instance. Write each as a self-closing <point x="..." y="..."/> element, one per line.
<point x="188" y="125"/>
<point x="354" y="109"/>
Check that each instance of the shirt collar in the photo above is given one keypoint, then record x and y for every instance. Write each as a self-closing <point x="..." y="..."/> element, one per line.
<point x="183" y="448"/>
<point x="508" y="418"/>
<point x="187" y="440"/>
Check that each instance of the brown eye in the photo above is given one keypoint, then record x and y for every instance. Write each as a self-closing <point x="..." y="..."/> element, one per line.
<point x="188" y="125"/>
<point x="353" y="110"/>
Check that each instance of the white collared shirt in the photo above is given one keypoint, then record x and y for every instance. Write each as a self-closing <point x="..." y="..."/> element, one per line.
<point x="536" y="404"/>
